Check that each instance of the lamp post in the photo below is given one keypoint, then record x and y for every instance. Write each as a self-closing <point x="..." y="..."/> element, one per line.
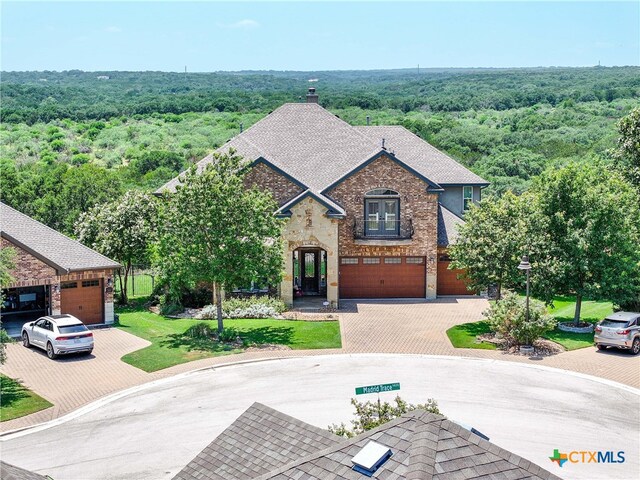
<point x="526" y="266"/>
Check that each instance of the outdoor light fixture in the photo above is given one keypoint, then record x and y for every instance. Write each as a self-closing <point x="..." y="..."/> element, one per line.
<point x="109" y="282"/>
<point x="56" y="288"/>
<point x="526" y="266"/>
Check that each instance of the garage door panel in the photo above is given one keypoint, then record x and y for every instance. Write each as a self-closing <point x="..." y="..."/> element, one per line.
<point x="83" y="299"/>
<point x="382" y="279"/>
<point x="448" y="282"/>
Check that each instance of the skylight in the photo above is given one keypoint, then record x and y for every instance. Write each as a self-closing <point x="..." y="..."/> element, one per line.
<point x="370" y="458"/>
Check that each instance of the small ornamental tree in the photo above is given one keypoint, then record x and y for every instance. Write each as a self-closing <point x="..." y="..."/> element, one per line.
<point x="122" y="230"/>
<point x="217" y="231"/>
<point x="507" y="317"/>
<point x="370" y="414"/>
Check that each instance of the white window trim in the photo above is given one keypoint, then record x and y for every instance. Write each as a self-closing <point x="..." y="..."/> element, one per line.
<point x="464" y="208"/>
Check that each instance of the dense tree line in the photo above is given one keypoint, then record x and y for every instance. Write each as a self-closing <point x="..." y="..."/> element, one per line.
<point x="33" y="97"/>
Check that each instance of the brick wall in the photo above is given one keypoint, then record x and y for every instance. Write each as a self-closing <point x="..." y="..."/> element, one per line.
<point x="415" y="203"/>
<point x="91" y="274"/>
<point x="29" y="270"/>
<point x="281" y="187"/>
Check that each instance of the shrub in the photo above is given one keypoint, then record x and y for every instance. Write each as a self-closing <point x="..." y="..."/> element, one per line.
<point x="507" y="318"/>
<point x="249" y="307"/>
<point x="200" y="330"/>
<point x="369" y="415"/>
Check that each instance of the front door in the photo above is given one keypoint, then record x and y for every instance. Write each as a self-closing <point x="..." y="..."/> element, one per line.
<point x="310" y="264"/>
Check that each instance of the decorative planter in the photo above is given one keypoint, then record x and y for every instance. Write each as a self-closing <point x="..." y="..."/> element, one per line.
<point x="570" y="327"/>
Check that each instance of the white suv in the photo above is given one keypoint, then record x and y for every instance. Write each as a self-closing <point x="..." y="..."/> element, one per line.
<point x="620" y="329"/>
<point x="58" y="334"/>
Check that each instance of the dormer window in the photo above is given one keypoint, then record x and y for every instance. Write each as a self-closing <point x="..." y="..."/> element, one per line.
<point x="382" y="212"/>
<point x="467" y="197"/>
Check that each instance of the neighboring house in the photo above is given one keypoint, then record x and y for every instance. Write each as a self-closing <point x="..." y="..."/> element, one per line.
<point x="11" y="472"/>
<point x="53" y="274"/>
<point x="266" y="444"/>
<point x="371" y="210"/>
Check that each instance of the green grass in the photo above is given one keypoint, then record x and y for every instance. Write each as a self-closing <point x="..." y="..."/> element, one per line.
<point x="17" y="401"/>
<point x="563" y="311"/>
<point x="170" y="346"/>
<point x="464" y="336"/>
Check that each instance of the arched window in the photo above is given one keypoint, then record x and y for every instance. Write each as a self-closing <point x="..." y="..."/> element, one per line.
<point x="382" y="212"/>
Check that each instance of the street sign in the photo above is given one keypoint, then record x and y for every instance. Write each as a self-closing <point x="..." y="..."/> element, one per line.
<point x="386" y="387"/>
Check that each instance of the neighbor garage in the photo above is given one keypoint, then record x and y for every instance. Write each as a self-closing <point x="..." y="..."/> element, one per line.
<point x="382" y="277"/>
<point x="53" y="274"/>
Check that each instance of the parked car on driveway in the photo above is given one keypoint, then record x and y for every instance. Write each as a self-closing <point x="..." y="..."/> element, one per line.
<point x="57" y="335"/>
<point x="621" y="330"/>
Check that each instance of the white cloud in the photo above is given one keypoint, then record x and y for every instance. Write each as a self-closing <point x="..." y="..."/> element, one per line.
<point x="246" y="23"/>
<point x="112" y="29"/>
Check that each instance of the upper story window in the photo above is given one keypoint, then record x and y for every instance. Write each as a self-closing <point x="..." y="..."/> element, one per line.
<point x="382" y="212"/>
<point x="467" y="197"/>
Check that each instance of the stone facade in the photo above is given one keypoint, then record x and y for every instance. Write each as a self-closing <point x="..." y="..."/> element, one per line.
<point x="31" y="271"/>
<point x="281" y="187"/>
<point x="310" y="227"/>
<point x="415" y="203"/>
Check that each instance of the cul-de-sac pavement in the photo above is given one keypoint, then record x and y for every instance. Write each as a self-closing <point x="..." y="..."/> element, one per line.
<point x="113" y="421"/>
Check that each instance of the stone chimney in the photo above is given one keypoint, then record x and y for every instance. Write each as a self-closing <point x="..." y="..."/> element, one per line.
<point x="311" y="96"/>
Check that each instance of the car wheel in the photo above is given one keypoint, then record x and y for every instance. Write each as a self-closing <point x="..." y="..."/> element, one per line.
<point x="25" y="340"/>
<point x="601" y="347"/>
<point x="635" y="346"/>
<point x="51" y="353"/>
<point x="88" y="352"/>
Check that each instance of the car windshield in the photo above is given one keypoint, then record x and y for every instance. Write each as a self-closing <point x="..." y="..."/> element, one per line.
<point x="78" y="327"/>
<point x="613" y="323"/>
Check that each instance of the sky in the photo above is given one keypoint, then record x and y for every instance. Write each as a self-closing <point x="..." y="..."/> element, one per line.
<point x="207" y="36"/>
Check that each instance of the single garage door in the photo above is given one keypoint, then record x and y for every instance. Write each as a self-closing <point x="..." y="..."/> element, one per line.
<point x="83" y="299"/>
<point x="448" y="282"/>
<point x="382" y="277"/>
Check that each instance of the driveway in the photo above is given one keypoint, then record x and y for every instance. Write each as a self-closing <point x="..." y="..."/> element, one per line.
<point x="395" y="326"/>
<point x="154" y="432"/>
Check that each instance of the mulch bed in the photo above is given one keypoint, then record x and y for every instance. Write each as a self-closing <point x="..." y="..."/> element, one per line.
<point x="543" y="347"/>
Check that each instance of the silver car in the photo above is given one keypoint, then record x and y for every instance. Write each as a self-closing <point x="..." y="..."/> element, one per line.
<point x="57" y="335"/>
<point x="621" y="330"/>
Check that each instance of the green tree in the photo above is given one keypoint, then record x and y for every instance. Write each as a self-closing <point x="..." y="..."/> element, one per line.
<point x="370" y="415"/>
<point x="218" y="232"/>
<point x="496" y="234"/>
<point x="593" y="232"/>
<point x="123" y="230"/>
<point x="627" y="155"/>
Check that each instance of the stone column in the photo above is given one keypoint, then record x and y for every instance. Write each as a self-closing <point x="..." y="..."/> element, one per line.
<point x="54" y="291"/>
<point x="286" y="286"/>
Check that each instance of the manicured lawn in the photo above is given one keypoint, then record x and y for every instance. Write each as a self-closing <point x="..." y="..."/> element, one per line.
<point x="464" y="336"/>
<point x="563" y="310"/>
<point x="18" y="401"/>
<point x="170" y="346"/>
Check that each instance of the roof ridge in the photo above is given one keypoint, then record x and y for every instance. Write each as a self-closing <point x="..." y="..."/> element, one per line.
<point x="4" y="205"/>
<point x="424" y="446"/>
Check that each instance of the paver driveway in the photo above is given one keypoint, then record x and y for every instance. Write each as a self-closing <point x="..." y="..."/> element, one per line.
<point x="399" y="326"/>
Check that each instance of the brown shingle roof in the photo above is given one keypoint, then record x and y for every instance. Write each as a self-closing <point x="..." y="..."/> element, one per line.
<point x="424" y="447"/>
<point x="316" y="148"/>
<point x="50" y="246"/>
<point x="260" y="440"/>
<point x="11" y="472"/>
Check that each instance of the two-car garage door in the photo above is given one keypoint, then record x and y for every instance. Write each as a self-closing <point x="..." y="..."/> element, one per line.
<point x="83" y="299"/>
<point x="382" y="277"/>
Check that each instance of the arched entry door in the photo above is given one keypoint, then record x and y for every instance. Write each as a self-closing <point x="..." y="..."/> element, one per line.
<point x="310" y="271"/>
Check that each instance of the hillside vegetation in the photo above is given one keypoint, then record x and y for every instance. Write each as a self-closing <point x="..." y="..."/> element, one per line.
<point x="70" y="139"/>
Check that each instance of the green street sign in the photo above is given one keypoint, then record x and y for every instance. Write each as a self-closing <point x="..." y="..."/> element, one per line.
<point x="386" y="387"/>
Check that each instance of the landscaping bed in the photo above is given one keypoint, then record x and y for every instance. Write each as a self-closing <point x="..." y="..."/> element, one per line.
<point x="17" y="401"/>
<point x="173" y="343"/>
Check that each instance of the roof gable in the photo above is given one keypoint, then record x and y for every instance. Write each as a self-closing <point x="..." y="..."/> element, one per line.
<point x="48" y="245"/>
<point x="333" y="209"/>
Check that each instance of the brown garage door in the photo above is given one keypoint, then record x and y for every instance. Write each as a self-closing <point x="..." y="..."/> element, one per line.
<point x="83" y="299"/>
<point x="448" y="283"/>
<point x="382" y="277"/>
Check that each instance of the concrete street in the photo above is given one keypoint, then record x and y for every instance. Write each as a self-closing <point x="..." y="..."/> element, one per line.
<point x="154" y="431"/>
